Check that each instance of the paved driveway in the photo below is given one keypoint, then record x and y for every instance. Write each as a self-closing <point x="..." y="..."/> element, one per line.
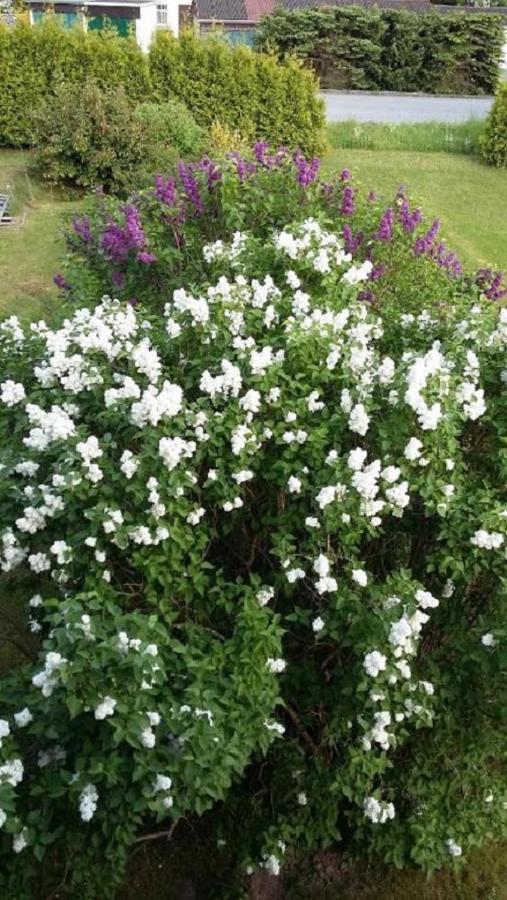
<point x="365" y="107"/>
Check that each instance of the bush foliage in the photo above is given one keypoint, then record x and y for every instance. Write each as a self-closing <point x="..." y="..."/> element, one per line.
<point x="169" y="129"/>
<point x="376" y="49"/>
<point x="248" y="92"/>
<point x="258" y="519"/>
<point x="91" y="137"/>
<point x="494" y="142"/>
<point x="96" y="138"/>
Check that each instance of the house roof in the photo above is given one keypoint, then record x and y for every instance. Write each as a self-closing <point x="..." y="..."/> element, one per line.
<point x="252" y="10"/>
<point x="232" y="10"/>
<point x="413" y="5"/>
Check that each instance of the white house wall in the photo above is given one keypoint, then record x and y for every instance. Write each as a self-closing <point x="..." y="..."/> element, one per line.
<point x="146" y="25"/>
<point x="173" y="14"/>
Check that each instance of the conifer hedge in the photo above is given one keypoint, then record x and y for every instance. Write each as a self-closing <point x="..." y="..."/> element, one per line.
<point x="250" y="92"/>
<point x="393" y="50"/>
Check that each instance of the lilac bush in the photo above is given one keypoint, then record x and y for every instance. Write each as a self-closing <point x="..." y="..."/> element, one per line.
<point x="140" y="249"/>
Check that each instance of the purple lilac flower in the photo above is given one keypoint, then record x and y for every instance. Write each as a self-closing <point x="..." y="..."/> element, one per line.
<point x="191" y="187"/>
<point x="211" y="169"/>
<point x="425" y="243"/>
<point x="377" y="272"/>
<point x="386" y="225"/>
<point x="60" y="282"/>
<point x="165" y="191"/>
<point x="82" y="229"/>
<point x="492" y="284"/>
<point x="145" y="257"/>
<point x="447" y="260"/>
<point x="244" y="167"/>
<point x="260" y="150"/>
<point x="348" y="206"/>
<point x="269" y="161"/>
<point x="133" y="227"/>
<point x="307" y="171"/>
<point x="367" y="297"/>
<point x="409" y="219"/>
<point x="352" y="241"/>
<point x="345" y="175"/>
<point x="117" y="241"/>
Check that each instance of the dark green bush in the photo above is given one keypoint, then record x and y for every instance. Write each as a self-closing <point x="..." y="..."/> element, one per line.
<point x="96" y="136"/>
<point x="89" y="137"/>
<point x="494" y="142"/>
<point x="378" y="49"/>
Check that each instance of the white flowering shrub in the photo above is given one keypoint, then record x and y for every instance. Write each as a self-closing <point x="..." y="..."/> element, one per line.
<point x="268" y="525"/>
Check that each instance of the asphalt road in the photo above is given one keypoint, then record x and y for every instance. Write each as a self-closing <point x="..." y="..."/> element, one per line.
<point x="364" y="107"/>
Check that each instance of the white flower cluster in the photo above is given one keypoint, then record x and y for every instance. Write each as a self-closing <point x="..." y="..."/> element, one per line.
<point x="377" y="811"/>
<point x="88" y="800"/>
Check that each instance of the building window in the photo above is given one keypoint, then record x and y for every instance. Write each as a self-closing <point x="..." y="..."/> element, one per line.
<point x="161" y="14"/>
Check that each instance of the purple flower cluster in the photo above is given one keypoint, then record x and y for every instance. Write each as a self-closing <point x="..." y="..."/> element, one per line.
<point x="352" y="241"/>
<point x="212" y="171"/>
<point x="165" y="190"/>
<point x="117" y="240"/>
<point x="191" y="186"/>
<point x="82" y="228"/>
<point x="307" y="170"/>
<point x="409" y="219"/>
<point x="61" y="282"/>
<point x="424" y="245"/>
<point x="447" y="260"/>
<point x="385" y="229"/>
<point x="348" y="206"/>
<point x="269" y="160"/>
<point x="492" y="284"/>
<point x="245" y="168"/>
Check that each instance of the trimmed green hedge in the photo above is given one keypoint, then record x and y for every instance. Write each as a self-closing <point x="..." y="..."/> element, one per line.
<point x="494" y="142"/>
<point x="249" y="92"/>
<point x="35" y="60"/>
<point x="395" y="50"/>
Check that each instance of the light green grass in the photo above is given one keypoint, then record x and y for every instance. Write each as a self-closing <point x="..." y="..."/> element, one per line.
<point x="30" y="248"/>
<point x="424" y="137"/>
<point x="469" y="197"/>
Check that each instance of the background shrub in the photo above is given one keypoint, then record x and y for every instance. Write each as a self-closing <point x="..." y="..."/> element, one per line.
<point x="169" y="133"/>
<point x="494" y="142"/>
<point x="171" y="123"/>
<point x="97" y="137"/>
<point x="90" y="137"/>
<point x="390" y="49"/>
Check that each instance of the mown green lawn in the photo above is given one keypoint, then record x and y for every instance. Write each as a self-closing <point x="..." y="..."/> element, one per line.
<point x="30" y="248"/>
<point x="469" y="197"/>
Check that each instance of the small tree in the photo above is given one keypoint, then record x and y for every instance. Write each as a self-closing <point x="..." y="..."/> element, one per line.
<point x="494" y="142"/>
